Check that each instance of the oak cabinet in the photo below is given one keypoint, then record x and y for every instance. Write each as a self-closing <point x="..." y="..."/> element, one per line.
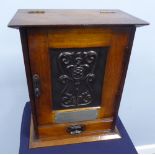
<point x="76" y="63"/>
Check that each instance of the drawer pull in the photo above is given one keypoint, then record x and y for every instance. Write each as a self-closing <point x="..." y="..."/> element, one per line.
<point x="75" y="129"/>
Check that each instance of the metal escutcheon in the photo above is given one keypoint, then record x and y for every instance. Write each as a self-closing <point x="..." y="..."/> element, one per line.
<point x="75" y="129"/>
<point x="36" y="85"/>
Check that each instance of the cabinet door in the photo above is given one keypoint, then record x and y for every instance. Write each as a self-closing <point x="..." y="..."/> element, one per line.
<point x="53" y="50"/>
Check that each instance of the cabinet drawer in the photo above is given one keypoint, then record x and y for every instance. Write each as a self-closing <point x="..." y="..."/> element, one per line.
<point x="62" y="130"/>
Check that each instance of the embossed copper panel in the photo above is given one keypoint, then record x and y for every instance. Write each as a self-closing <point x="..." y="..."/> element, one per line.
<point x="77" y="76"/>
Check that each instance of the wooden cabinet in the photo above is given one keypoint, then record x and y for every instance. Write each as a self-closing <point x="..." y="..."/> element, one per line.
<point x="76" y="63"/>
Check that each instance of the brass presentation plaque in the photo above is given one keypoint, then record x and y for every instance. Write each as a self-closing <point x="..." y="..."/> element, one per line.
<point x="76" y="116"/>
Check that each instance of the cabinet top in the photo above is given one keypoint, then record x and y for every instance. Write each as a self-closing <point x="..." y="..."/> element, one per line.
<point x="33" y="18"/>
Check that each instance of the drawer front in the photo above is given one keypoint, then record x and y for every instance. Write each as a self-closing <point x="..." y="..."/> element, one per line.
<point x="75" y="129"/>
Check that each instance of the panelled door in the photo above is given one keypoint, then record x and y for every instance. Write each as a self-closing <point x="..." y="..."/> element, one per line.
<point x="78" y="70"/>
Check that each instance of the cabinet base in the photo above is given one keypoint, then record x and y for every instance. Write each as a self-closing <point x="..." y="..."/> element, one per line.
<point x="105" y="135"/>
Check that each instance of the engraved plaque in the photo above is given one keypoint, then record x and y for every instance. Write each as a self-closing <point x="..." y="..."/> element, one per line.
<point x="77" y="76"/>
<point x="76" y="116"/>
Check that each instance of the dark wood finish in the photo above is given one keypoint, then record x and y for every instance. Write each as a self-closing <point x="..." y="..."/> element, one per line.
<point x="41" y="32"/>
<point x="28" y="18"/>
<point x="24" y="41"/>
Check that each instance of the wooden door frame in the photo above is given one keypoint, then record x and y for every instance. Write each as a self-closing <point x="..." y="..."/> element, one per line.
<point x="124" y="34"/>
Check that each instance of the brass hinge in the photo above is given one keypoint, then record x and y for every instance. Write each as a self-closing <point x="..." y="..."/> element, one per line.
<point x="36" y="85"/>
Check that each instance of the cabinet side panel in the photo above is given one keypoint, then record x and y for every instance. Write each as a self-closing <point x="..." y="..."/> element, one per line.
<point x="116" y="69"/>
<point x="127" y="54"/>
<point x="24" y="41"/>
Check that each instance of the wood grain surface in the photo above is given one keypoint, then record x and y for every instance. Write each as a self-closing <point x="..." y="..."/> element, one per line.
<point x="42" y="18"/>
